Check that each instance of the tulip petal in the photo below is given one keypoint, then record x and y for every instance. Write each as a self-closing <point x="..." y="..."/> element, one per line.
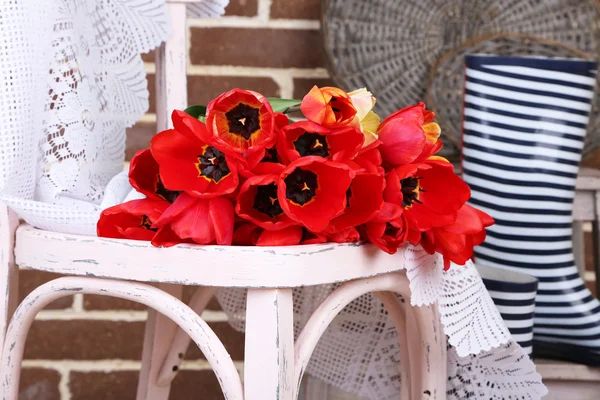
<point x="289" y="236"/>
<point x="221" y="215"/>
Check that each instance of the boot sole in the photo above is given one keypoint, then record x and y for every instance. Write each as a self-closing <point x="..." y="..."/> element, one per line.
<point x="566" y="352"/>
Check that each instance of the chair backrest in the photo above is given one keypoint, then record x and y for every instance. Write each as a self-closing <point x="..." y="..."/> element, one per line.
<point x="171" y="68"/>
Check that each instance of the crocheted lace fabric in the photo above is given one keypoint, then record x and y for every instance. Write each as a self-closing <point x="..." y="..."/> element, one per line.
<point x="359" y="353"/>
<point x="72" y="79"/>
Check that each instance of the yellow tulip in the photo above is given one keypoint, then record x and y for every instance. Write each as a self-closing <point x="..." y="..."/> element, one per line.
<point x="365" y="118"/>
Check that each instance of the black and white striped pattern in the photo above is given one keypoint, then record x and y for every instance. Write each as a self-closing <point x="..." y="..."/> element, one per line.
<point x="523" y="131"/>
<point x="514" y="296"/>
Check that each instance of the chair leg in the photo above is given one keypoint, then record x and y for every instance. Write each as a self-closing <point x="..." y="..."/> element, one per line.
<point x="269" y="354"/>
<point x="159" y="334"/>
<point x="429" y="345"/>
<point x="9" y="272"/>
<point x="398" y="317"/>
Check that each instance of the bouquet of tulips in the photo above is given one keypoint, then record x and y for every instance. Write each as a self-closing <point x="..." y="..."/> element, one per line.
<point x="248" y="170"/>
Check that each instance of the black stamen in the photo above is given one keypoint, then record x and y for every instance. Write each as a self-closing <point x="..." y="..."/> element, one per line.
<point x="410" y="191"/>
<point x="164" y="193"/>
<point x="212" y="164"/>
<point x="312" y="144"/>
<point x="147" y="224"/>
<point x="391" y="230"/>
<point x="266" y="200"/>
<point x="301" y="186"/>
<point x="243" y="120"/>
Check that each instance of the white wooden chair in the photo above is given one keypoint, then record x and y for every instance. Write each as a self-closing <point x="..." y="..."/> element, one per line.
<point x="274" y="363"/>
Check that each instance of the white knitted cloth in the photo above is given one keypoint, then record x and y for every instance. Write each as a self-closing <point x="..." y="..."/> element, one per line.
<point x="71" y="81"/>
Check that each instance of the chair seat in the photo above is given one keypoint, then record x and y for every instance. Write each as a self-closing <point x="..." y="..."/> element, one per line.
<point x="220" y="266"/>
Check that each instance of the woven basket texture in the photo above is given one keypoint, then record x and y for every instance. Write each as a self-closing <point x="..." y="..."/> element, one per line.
<point x="390" y="46"/>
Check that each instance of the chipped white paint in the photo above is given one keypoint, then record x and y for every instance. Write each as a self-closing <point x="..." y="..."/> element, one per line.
<point x="396" y="312"/>
<point x="167" y="305"/>
<point x="9" y="273"/>
<point x="262" y="267"/>
<point x="269" y="350"/>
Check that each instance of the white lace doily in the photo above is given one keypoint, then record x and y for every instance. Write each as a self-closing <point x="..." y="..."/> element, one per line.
<point x="360" y="354"/>
<point x="71" y="81"/>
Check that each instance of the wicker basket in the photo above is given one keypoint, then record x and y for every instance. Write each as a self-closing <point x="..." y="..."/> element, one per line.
<point x="390" y="45"/>
<point x="446" y="82"/>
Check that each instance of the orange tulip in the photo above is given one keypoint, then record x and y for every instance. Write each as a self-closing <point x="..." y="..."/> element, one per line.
<point x="328" y="106"/>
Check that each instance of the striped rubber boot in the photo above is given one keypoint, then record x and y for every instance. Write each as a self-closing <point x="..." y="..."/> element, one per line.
<point x="514" y="295"/>
<point x="523" y="131"/>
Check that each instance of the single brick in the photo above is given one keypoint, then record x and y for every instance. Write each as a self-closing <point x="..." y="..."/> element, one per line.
<point x="31" y="279"/>
<point x="85" y="340"/>
<point x="123" y="385"/>
<point x="203" y="384"/>
<point x="275" y="48"/>
<point x="296" y="9"/>
<point x="202" y="89"/>
<point x="242" y="8"/>
<point x="39" y="384"/>
<point x="104" y="303"/>
<point x="303" y="85"/>
<point x="103" y="385"/>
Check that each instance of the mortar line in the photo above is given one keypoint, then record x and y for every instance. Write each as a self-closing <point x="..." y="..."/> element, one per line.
<point x="115" y="315"/>
<point x="255" y="23"/>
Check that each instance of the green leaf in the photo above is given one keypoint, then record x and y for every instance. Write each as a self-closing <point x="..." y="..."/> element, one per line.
<point x="196" y="111"/>
<point x="283" y="105"/>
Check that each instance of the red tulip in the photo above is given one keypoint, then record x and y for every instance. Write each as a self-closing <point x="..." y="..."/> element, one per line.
<point x="369" y="159"/>
<point x="257" y="202"/>
<point x="364" y="201"/>
<point x="347" y="235"/>
<point x="409" y="136"/>
<point x="312" y="191"/>
<point x="456" y="241"/>
<point x="328" y="106"/>
<point x="249" y="234"/>
<point x="430" y="193"/>
<point x="187" y="163"/>
<point x="131" y="220"/>
<point x="390" y="229"/>
<point x="145" y="178"/>
<point x="241" y="123"/>
<point x="309" y="237"/>
<point x="306" y="138"/>
<point x="203" y="221"/>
